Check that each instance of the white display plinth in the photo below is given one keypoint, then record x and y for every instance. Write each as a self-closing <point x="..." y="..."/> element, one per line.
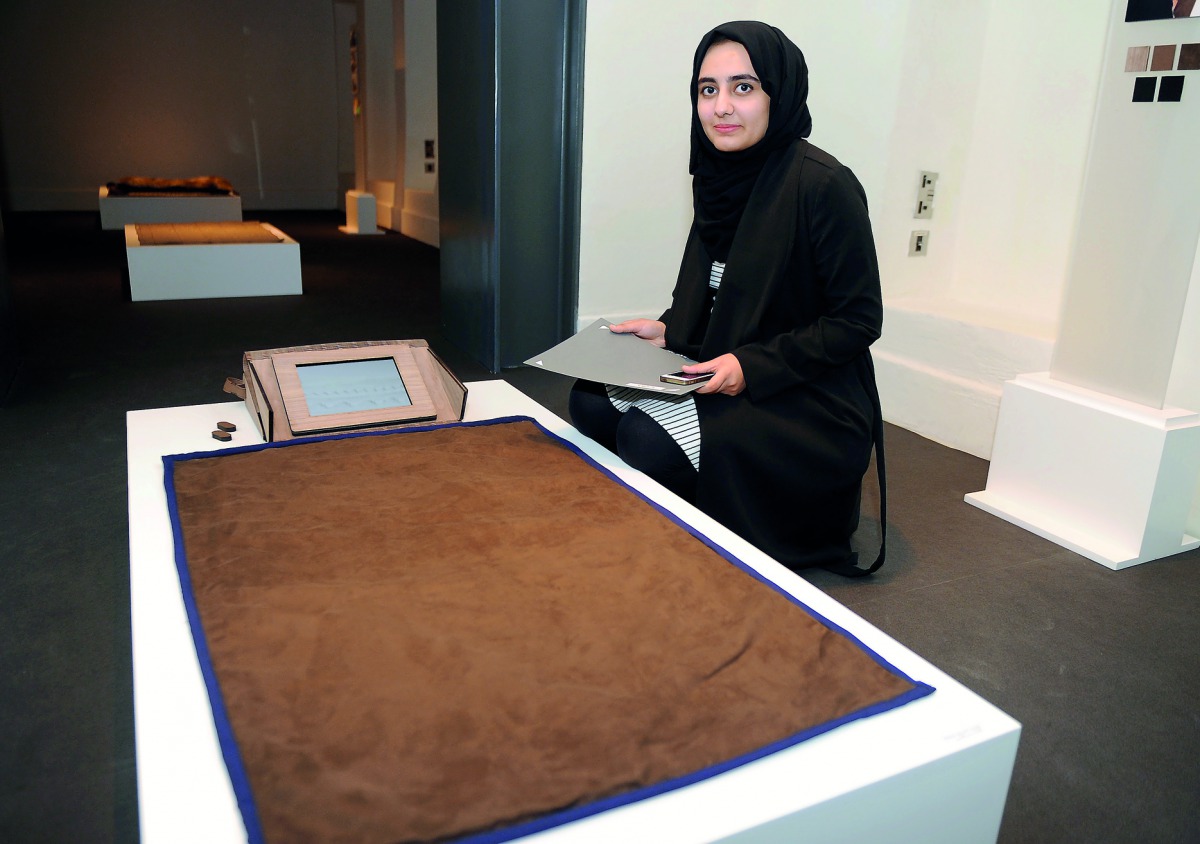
<point x="360" y="213"/>
<point x="1107" y="478"/>
<point x="212" y="270"/>
<point x="116" y="212"/>
<point x="934" y="770"/>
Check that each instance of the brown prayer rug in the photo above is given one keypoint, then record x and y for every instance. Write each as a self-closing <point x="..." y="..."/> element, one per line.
<point x="473" y="630"/>
<point x="179" y="234"/>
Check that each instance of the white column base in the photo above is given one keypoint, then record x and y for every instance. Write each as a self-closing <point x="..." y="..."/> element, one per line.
<point x="360" y="213"/>
<point x="1109" y="479"/>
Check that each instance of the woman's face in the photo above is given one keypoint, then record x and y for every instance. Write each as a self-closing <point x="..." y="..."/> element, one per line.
<point x="730" y="102"/>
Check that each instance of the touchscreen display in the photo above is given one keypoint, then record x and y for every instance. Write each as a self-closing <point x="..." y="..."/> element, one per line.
<point x="349" y="386"/>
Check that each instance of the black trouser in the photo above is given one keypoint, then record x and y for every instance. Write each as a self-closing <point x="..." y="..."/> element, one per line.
<point x="634" y="437"/>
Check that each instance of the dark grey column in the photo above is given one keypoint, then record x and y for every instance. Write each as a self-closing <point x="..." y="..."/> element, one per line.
<point x="509" y="132"/>
<point x="8" y="326"/>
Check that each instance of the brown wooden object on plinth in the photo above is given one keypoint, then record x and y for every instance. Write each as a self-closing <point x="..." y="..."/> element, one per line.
<point x="276" y="401"/>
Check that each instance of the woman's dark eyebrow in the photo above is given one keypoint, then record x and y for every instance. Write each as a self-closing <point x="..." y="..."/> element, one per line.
<point x="737" y="78"/>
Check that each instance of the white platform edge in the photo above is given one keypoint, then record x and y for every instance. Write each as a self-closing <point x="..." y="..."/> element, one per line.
<point x="1040" y="523"/>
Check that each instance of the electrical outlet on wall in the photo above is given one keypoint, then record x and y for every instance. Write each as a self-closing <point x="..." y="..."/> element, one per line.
<point x="925" y="191"/>
<point x="918" y="244"/>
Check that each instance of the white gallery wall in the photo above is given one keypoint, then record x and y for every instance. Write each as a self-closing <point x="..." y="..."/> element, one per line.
<point x="397" y="87"/>
<point x="1183" y="390"/>
<point x="1135" y="248"/>
<point x="635" y="194"/>
<point x="377" y="90"/>
<point x="996" y="97"/>
<point x="243" y="89"/>
<point x="420" y="63"/>
<point x="419" y="216"/>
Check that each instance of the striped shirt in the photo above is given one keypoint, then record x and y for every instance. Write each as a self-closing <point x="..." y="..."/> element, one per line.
<point x="676" y="414"/>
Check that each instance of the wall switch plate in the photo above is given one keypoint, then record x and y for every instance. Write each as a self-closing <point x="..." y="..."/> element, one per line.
<point x="918" y="244"/>
<point x="925" y="192"/>
<point x="429" y="149"/>
<point x="428" y="166"/>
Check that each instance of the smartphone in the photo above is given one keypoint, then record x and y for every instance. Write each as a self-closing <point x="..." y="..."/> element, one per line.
<point x="682" y="377"/>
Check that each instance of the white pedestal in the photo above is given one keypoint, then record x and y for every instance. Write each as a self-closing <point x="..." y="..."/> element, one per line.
<point x="213" y="270"/>
<point x="116" y="212"/>
<point x="360" y="213"/>
<point x="936" y="770"/>
<point x="1110" y="479"/>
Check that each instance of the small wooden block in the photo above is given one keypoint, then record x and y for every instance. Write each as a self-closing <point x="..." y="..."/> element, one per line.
<point x="228" y="427"/>
<point x="223" y="436"/>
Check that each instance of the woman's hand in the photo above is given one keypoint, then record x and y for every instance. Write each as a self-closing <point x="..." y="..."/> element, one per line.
<point x="727" y="375"/>
<point x="647" y="329"/>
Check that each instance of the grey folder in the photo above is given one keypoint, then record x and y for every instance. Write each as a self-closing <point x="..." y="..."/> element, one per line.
<point x="596" y="354"/>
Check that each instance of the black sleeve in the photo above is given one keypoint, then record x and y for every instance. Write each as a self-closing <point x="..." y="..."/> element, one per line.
<point x="845" y="266"/>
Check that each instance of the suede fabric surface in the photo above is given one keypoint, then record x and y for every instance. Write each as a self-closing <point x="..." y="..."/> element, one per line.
<point x="233" y="231"/>
<point x="429" y="633"/>
<point x="150" y="186"/>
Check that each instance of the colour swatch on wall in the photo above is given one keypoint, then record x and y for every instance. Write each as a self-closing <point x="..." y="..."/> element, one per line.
<point x="1137" y="60"/>
<point x="1164" y="57"/>
<point x="1143" y="89"/>
<point x="1170" y="90"/>
<point x="1189" y="57"/>
<point x="1160" y="58"/>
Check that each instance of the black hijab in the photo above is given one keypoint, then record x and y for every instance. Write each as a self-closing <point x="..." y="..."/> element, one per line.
<point x="722" y="181"/>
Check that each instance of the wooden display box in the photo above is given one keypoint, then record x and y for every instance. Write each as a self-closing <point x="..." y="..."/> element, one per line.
<point x="283" y="413"/>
